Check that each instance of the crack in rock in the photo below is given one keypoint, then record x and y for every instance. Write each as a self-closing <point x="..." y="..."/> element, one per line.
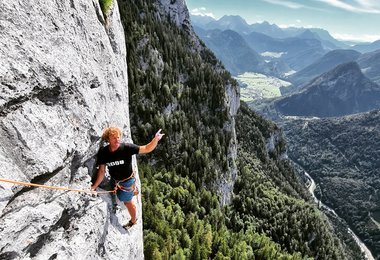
<point x="64" y="221"/>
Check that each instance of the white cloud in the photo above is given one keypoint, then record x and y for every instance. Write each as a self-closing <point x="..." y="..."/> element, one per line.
<point x="369" y="4"/>
<point x="284" y="26"/>
<point x="360" y="6"/>
<point x="356" y="38"/>
<point x="202" y="11"/>
<point x="293" y="4"/>
<point x="288" y="4"/>
<point x="355" y="6"/>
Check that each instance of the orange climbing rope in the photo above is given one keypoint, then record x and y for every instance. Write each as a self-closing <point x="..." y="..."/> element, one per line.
<point x="54" y="187"/>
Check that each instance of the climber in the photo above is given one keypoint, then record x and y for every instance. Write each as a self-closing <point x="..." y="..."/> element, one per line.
<point x="117" y="157"/>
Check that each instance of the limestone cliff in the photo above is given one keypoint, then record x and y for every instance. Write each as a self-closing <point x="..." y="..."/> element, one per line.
<point x="63" y="78"/>
<point x="179" y="14"/>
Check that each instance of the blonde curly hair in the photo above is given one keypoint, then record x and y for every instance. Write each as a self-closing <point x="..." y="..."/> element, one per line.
<point x="114" y="131"/>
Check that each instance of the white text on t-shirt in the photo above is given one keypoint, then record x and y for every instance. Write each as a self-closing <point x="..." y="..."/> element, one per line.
<point x="110" y="164"/>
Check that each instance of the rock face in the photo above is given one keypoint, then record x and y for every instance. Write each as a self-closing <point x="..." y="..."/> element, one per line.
<point x="226" y="183"/>
<point x="177" y="10"/>
<point x="63" y="78"/>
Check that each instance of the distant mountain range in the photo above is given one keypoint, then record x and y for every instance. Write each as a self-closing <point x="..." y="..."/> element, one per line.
<point x="284" y="49"/>
<point x="327" y="62"/>
<point x="328" y="81"/>
<point x="233" y="51"/>
<point x="367" y="47"/>
<point x="369" y="63"/>
<point x="296" y="52"/>
<point x="238" y="24"/>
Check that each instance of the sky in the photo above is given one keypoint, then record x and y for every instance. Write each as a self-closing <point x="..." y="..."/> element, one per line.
<point x="351" y="20"/>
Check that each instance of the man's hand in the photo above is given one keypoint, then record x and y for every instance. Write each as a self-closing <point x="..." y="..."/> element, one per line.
<point x="158" y="135"/>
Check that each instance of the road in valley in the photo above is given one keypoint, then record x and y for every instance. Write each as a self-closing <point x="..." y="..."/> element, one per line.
<point x="362" y="246"/>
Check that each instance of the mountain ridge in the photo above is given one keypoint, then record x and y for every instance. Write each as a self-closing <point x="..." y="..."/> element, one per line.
<point x="233" y="51"/>
<point x="341" y="91"/>
<point x="324" y="64"/>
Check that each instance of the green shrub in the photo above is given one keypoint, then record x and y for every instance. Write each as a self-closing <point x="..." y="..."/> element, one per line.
<point x="105" y="5"/>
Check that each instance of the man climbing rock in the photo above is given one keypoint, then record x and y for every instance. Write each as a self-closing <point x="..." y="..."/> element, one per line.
<point x="117" y="157"/>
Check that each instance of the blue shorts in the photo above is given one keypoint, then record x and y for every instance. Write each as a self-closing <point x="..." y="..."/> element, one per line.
<point x="126" y="194"/>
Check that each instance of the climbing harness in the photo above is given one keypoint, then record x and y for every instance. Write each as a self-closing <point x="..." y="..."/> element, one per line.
<point x="133" y="187"/>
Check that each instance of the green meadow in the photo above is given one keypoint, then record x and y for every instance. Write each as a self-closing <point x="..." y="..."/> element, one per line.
<point x="255" y="86"/>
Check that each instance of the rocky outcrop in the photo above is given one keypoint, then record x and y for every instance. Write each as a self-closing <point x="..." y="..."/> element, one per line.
<point x="177" y="11"/>
<point x="63" y="78"/>
<point x="226" y="183"/>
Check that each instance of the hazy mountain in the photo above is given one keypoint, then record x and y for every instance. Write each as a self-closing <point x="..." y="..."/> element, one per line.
<point x="326" y="37"/>
<point x="240" y="25"/>
<point x="329" y="61"/>
<point x="307" y="34"/>
<point x="296" y="47"/>
<point x="310" y="34"/>
<point x="322" y="35"/>
<point x="228" y="22"/>
<point x="341" y="91"/>
<point x="368" y="47"/>
<point x="233" y="51"/>
<point x="201" y="20"/>
<point x="370" y="64"/>
<point x="271" y="30"/>
<point x="261" y="42"/>
<point x="296" y="52"/>
<point x="300" y="53"/>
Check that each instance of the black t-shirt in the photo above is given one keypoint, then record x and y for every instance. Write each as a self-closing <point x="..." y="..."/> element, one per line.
<point x="119" y="162"/>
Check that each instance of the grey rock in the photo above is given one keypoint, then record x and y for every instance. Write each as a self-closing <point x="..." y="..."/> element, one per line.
<point x="63" y="78"/>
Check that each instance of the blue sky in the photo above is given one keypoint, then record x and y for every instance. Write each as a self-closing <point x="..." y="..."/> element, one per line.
<point x="345" y="19"/>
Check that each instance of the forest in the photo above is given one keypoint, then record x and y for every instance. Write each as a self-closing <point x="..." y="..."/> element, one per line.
<point x="340" y="154"/>
<point x="176" y="87"/>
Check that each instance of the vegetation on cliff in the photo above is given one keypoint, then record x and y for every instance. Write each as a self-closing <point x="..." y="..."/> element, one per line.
<point x="174" y="87"/>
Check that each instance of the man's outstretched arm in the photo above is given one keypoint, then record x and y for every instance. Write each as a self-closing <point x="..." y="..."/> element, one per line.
<point x="152" y="145"/>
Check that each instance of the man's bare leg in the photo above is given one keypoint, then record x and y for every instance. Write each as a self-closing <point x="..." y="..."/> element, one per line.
<point x="131" y="209"/>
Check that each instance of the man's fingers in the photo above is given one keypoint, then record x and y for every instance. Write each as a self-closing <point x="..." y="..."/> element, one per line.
<point x="159" y="135"/>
